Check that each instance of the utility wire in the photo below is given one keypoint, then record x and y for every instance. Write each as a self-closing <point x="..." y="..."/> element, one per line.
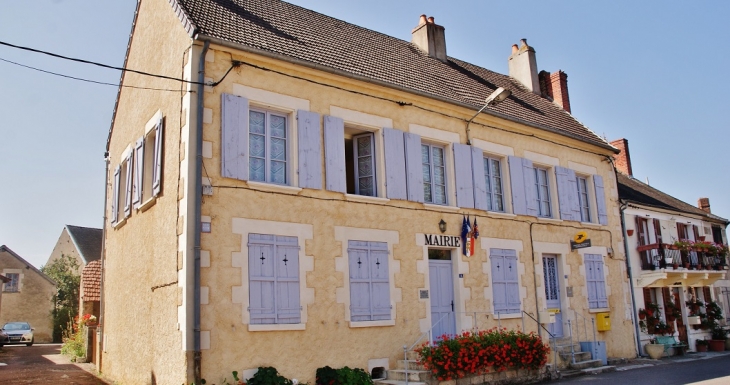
<point x="85" y="80"/>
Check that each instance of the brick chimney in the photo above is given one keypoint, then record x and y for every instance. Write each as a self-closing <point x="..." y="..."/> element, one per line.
<point x="523" y="66"/>
<point x="430" y="38"/>
<point x="623" y="159"/>
<point x="704" y="205"/>
<point x="555" y="86"/>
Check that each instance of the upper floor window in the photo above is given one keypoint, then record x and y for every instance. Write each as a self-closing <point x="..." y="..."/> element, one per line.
<point x="268" y="140"/>
<point x="13" y="284"/>
<point x="360" y="162"/>
<point x="542" y="187"/>
<point x="585" y="208"/>
<point x="493" y="177"/>
<point x="434" y="173"/>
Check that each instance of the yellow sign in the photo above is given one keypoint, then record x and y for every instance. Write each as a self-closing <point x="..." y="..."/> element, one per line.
<point x="580" y="237"/>
<point x="553" y="311"/>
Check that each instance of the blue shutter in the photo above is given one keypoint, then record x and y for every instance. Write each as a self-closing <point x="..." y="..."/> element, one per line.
<point x="464" y="177"/>
<point x="480" y="184"/>
<point x="334" y="152"/>
<point x="522" y="178"/>
<point x="505" y="281"/>
<point x="310" y="151"/>
<point x="568" y="194"/>
<point x="288" y="309"/>
<point x="511" y="278"/>
<point x="138" y="173"/>
<point x="115" y="194"/>
<point x="528" y="173"/>
<point x="157" y="160"/>
<point x="380" y="283"/>
<point x="261" y="279"/>
<point x="359" y="281"/>
<point x="414" y="167"/>
<point x="234" y="141"/>
<point x="600" y="200"/>
<point x="395" y="164"/>
<point x="595" y="281"/>
<point x="499" y="286"/>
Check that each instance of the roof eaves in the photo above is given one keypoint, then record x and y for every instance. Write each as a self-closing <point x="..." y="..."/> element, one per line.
<point x="293" y="60"/>
<point x="184" y="17"/>
<point x="27" y="264"/>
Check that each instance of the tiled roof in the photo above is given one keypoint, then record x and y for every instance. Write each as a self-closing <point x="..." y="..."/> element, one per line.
<point x="88" y="241"/>
<point x="91" y="281"/>
<point x="283" y="29"/>
<point x="27" y="264"/>
<point x="633" y="190"/>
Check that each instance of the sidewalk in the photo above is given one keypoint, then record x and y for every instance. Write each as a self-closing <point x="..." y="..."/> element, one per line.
<point x="638" y="363"/>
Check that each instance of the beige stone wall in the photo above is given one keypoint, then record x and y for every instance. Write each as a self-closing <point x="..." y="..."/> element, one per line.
<point x="65" y="246"/>
<point x="328" y="338"/>
<point x="32" y="303"/>
<point x="142" y="338"/>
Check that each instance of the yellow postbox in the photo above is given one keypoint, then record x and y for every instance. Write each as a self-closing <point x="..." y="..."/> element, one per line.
<point x="603" y="322"/>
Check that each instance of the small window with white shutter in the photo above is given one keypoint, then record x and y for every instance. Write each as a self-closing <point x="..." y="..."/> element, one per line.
<point x="122" y="193"/>
<point x="148" y="154"/>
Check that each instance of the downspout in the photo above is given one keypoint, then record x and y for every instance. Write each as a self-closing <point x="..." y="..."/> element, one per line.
<point x="197" y="355"/>
<point x="622" y="207"/>
<point x="100" y="328"/>
<point x="534" y="282"/>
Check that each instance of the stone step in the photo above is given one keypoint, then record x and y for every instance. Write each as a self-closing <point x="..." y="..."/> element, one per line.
<point x="600" y="369"/>
<point x="412" y="365"/>
<point x="413" y="375"/>
<point x="396" y="382"/>
<point x="586" y="364"/>
<point x="579" y="356"/>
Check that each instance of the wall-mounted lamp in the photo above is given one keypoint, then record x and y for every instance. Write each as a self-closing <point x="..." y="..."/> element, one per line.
<point x="442" y="226"/>
<point x="499" y="95"/>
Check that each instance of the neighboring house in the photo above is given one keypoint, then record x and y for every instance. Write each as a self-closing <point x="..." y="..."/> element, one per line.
<point x="27" y="295"/>
<point x="305" y="209"/>
<point x="81" y="243"/>
<point x="661" y="274"/>
<point x="90" y="292"/>
<point x="3" y="280"/>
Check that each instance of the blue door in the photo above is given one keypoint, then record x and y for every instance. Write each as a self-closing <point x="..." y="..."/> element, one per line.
<point x="552" y="293"/>
<point x="442" y="298"/>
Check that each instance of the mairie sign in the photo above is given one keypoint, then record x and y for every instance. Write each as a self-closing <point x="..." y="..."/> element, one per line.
<point x="442" y="240"/>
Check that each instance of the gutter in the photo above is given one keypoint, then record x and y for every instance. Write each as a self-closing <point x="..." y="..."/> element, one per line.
<point x="289" y="59"/>
<point x="197" y="355"/>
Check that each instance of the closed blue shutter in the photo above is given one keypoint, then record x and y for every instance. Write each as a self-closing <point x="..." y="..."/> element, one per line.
<point x="499" y="286"/>
<point x="595" y="281"/>
<point x="310" y="151"/>
<point x="138" y="173"/>
<point x="395" y="164"/>
<point x="273" y="268"/>
<point x="414" y="167"/>
<point x="505" y="281"/>
<point x="369" y="281"/>
<point x="511" y="278"/>
<point x="234" y="141"/>
<point x="600" y="200"/>
<point x="115" y="194"/>
<point x="334" y="152"/>
<point x="568" y="194"/>
<point x="157" y="159"/>
<point x="480" y="184"/>
<point x="522" y="178"/>
<point x="464" y="178"/>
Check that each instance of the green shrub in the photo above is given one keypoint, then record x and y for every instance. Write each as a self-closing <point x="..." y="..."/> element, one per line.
<point x="268" y="376"/>
<point x="342" y="376"/>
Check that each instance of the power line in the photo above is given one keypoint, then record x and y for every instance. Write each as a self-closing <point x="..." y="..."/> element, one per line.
<point x="85" y="80"/>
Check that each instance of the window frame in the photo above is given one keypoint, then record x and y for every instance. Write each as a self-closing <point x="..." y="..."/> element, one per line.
<point x="352" y="133"/>
<point x="584" y="198"/>
<point x="369" y="249"/>
<point x="288" y="178"/>
<point x="489" y="178"/>
<point x="13" y="286"/>
<point x="547" y="186"/>
<point x="431" y="166"/>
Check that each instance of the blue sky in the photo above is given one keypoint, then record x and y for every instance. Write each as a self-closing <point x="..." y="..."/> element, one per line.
<point x="654" y="72"/>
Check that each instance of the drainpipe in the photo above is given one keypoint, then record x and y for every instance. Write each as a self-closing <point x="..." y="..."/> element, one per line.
<point x="197" y="355"/>
<point x="622" y="207"/>
<point x="534" y="283"/>
<point x="100" y="328"/>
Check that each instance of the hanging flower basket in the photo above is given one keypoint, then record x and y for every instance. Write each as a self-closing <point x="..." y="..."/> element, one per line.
<point x="694" y="320"/>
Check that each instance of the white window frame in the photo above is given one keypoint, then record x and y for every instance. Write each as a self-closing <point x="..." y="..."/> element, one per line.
<point x="489" y="178"/>
<point x="267" y="146"/>
<point x="538" y="169"/>
<point x="584" y="198"/>
<point x="431" y="146"/>
<point x="9" y="285"/>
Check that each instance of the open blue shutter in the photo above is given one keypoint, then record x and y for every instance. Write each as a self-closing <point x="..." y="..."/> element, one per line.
<point x="522" y="178"/>
<point x="480" y="184"/>
<point x="115" y="194"/>
<point x="138" y="173"/>
<point x="310" y="151"/>
<point x="128" y="185"/>
<point x="595" y="281"/>
<point x="414" y="167"/>
<point x="528" y="173"/>
<point x="261" y="279"/>
<point x="157" y="159"/>
<point x="234" y="141"/>
<point x="512" y="281"/>
<point x="334" y="153"/>
<point x="380" y="285"/>
<point x="600" y="200"/>
<point x="568" y="194"/>
<point x="288" y="309"/>
<point x="499" y="286"/>
<point x="359" y="281"/>
<point x="464" y="177"/>
<point x="395" y="164"/>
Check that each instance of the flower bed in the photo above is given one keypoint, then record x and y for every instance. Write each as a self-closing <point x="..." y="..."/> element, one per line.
<point x="478" y="353"/>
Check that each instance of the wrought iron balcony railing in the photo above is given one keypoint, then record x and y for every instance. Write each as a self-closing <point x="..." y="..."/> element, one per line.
<point x="662" y="255"/>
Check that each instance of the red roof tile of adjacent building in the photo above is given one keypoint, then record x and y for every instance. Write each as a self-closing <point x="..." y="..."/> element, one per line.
<point x="91" y="281"/>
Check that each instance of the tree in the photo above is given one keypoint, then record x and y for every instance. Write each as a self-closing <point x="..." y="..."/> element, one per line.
<point x="66" y="299"/>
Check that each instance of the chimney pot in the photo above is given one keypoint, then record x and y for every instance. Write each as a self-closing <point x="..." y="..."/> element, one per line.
<point x="622" y="160"/>
<point x="523" y="43"/>
<point x="555" y="86"/>
<point x="422" y="20"/>
<point x="430" y="38"/>
<point x="523" y="66"/>
<point x="431" y="20"/>
<point x="704" y="205"/>
<point x="515" y="48"/>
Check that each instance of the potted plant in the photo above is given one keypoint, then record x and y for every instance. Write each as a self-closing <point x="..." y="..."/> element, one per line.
<point x="654" y="350"/>
<point x="719" y="335"/>
<point x="672" y="310"/>
<point x="701" y="345"/>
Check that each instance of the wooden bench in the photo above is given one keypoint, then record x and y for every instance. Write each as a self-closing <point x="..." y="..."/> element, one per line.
<point x="670" y="342"/>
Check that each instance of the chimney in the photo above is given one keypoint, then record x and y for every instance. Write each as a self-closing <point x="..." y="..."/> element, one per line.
<point x="623" y="159"/>
<point x="430" y="38"/>
<point x="704" y="205"/>
<point x="523" y="66"/>
<point x="555" y="86"/>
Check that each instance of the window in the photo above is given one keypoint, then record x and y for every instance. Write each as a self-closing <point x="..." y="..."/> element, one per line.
<point x="543" y="192"/>
<point x="493" y="177"/>
<point x="682" y="231"/>
<point x="717" y="235"/>
<point x="596" y="281"/>
<point x="434" y="174"/>
<point x="122" y="190"/>
<point x="147" y="181"/>
<point x="585" y="208"/>
<point x="369" y="281"/>
<point x="12" y="286"/>
<point x="268" y="138"/>
<point x="360" y="163"/>
<point x="273" y="272"/>
<point x="505" y="281"/>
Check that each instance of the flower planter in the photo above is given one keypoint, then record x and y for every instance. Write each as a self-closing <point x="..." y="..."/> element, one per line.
<point x="727" y="344"/>
<point x="717" y="345"/>
<point x="693" y="320"/>
<point x="655" y="351"/>
<point x="701" y="348"/>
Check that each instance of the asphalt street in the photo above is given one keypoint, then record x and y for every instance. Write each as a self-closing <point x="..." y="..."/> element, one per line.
<point x="41" y="364"/>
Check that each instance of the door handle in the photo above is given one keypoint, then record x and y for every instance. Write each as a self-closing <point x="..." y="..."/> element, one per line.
<point x="452" y="306"/>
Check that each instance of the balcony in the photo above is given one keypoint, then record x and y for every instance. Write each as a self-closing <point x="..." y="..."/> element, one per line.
<point x="664" y="265"/>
